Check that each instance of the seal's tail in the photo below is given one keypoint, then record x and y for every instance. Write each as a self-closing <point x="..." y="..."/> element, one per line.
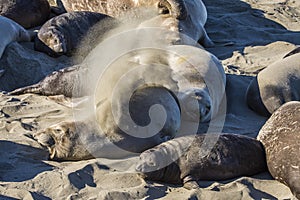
<point x="36" y="89"/>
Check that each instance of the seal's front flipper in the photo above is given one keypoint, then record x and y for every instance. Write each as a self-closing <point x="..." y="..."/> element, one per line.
<point x="32" y="35"/>
<point x="205" y="40"/>
<point x="190" y="183"/>
<point x="295" y="51"/>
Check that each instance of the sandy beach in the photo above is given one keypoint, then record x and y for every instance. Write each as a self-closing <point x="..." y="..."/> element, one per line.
<point x="249" y="35"/>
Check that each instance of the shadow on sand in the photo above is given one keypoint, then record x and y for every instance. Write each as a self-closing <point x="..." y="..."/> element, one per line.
<point x="237" y="22"/>
<point x="20" y="162"/>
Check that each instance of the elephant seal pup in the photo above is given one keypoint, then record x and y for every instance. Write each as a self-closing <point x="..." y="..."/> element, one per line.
<point x="275" y="85"/>
<point x="65" y="81"/>
<point x="185" y="16"/>
<point x="202" y="157"/>
<point x="11" y="31"/>
<point x="83" y="139"/>
<point x="27" y="13"/>
<point x="280" y="137"/>
<point x="63" y="34"/>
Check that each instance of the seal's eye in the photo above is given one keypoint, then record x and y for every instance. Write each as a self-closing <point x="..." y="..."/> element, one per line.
<point x="152" y="164"/>
<point x="163" y="9"/>
<point x="57" y="130"/>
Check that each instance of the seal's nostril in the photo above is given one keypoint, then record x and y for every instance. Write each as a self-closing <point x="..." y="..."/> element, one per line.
<point x="207" y="110"/>
<point x="138" y="168"/>
<point x="177" y="42"/>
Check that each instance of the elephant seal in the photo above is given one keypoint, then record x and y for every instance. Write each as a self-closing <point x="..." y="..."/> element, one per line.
<point x="195" y="76"/>
<point x="82" y="139"/>
<point x="275" y="85"/>
<point x="169" y="78"/>
<point x="11" y="31"/>
<point x="280" y="137"/>
<point x="65" y="81"/>
<point x="63" y="34"/>
<point x="185" y="16"/>
<point x="27" y="13"/>
<point x="202" y="157"/>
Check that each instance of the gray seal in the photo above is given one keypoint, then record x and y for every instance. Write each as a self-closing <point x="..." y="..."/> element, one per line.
<point x="27" y="13"/>
<point x="65" y="81"/>
<point x="275" y="85"/>
<point x="214" y="157"/>
<point x="63" y="34"/>
<point x="280" y="137"/>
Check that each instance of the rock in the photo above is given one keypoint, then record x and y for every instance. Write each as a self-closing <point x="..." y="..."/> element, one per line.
<point x="22" y="66"/>
<point x="27" y="13"/>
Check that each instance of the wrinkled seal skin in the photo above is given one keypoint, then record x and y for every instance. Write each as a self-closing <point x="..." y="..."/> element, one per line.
<point x="185" y="16"/>
<point x="82" y="139"/>
<point x="280" y="137"/>
<point x="116" y="8"/>
<point x="10" y="31"/>
<point x="231" y="156"/>
<point x="65" y="81"/>
<point x="275" y="85"/>
<point x="63" y="34"/>
<point x="63" y="143"/>
<point x="27" y="13"/>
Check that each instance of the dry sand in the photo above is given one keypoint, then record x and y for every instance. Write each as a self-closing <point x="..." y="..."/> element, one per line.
<point x="261" y="31"/>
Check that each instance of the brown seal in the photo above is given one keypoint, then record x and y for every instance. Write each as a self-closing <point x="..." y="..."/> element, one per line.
<point x="27" y="13"/>
<point x="63" y="34"/>
<point x="214" y="157"/>
<point x="275" y="85"/>
<point x="281" y="139"/>
<point x="65" y="81"/>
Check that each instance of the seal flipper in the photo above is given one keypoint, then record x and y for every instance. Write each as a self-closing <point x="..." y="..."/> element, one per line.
<point x="295" y="51"/>
<point x="36" y="89"/>
<point x="190" y="183"/>
<point x="254" y="100"/>
<point x="205" y="40"/>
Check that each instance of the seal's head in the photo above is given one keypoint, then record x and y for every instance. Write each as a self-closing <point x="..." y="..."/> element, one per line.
<point x="149" y="161"/>
<point x="159" y="163"/>
<point x="196" y="105"/>
<point x="59" y="139"/>
<point x="188" y="17"/>
<point x="55" y="41"/>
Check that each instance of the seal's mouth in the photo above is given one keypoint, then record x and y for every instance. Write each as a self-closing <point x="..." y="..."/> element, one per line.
<point x="57" y="48"/>
<point x="139" y="168"/>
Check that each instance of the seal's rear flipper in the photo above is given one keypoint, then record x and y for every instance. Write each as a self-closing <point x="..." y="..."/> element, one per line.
<point x="32" y="35"/>
<point x="36" y="89"/>
<point x="295" y="51"/>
